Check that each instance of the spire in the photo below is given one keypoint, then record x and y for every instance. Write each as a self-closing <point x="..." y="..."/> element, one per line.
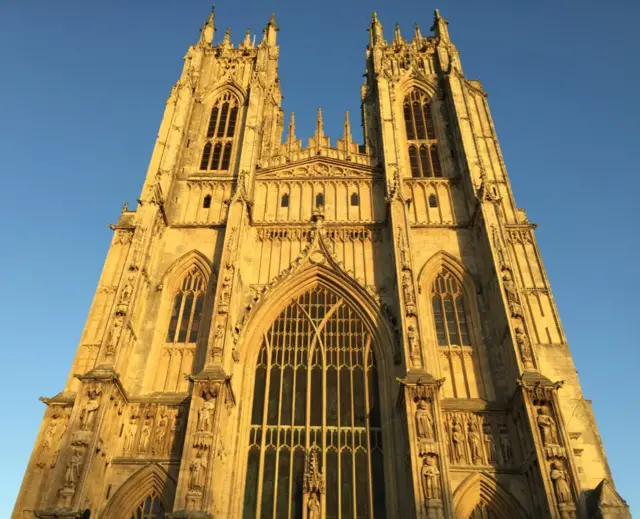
<point x="247" y="39"/>
<point x="375" y="31"/>
<point x="347" y="127"/>
<point x="418" y="33"/>
<point x="291" y="137"/>
<point x="226" y="41"/>
<point x="440" y="27"/>
<point x="270" y="31"/>
<point x="319" y="126"/>
<point x="397" y="38"/>
<point x="206" y="33"/>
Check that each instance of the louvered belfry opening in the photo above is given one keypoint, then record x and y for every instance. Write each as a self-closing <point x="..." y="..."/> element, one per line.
<point x="316" y="388"/>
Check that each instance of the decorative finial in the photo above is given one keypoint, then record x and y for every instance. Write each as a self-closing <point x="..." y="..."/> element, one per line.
<point x="247" y="38"/>
<point x="213" y="8"/>
<point x="374" y="17"/>
<point x="440" y="27"/>
<point x="319" y="123"/>
<point x="272" y="19"/>
<point x="206" y="33"/>
<point x="418" y="33"/>
<point x="292" y="128"/>
<point x="398" y="36"/>
<point x="347" y="125"/>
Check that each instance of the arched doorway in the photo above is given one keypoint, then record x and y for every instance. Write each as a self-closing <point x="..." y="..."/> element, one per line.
<point x="316" y="397"/>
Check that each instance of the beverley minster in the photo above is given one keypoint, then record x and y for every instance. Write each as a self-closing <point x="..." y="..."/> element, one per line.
<point x="322" y="328"/>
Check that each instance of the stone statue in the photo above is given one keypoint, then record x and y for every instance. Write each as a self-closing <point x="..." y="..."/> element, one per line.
<point x="563" y="492"/>
<point x="313" y="506"/>
<point x="424" y="422"/>
<point x="161" y="431"/>
<point x="74" y="465"/>
<point x="512" y="294"/>
<point x="205" y="414"/>
<point x="548" y="428"/>
<point x="523" y="345"/>
<point x="489" y="443"/>
<point x="457" y="438"/>
<point x="407" y="288"/>
<point x="505" y="444"/>
<point x="474" y="443"/>
<point x="50" y="433"/>
<point x="197" y="471"/>
<point x="130" y="434"/>
<point x="412" y="335"/>
<point x="225" y="292"/>
<point x="90" y="410"/>
<point x="145" y="435"/>
<point x="430" y="478"/>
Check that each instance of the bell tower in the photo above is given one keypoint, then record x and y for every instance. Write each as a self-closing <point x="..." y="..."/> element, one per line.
<point x="322" y="329"/>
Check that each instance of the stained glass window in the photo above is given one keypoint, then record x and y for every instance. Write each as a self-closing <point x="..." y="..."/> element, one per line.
<point x="316" y="389"/>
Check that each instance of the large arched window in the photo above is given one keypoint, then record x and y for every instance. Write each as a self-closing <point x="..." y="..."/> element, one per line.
<point x="150" y="508"/>
<point x="424" y="160"/>
<point x="316" y="396"/>
<point x="184" y="323"/>
<point x="217" y="150"/>
<point x="449" y="312"/>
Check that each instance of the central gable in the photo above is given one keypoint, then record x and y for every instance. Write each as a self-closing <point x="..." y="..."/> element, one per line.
<point x="319" y="168"/>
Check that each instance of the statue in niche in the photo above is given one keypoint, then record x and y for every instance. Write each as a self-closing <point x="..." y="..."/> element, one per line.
<point x="412" y="336"/>
<point x="407" y="288"/>
<point x="489" y="443"/>
<point x="313" y="506"/>
<point x="505" y="444"/>
<point x="563" y="492"/>
<point x="89" y="414"/>
<point x="74" y="465"/>
<point x="197" y="471"/>
<point x="145" y="435"/>
<point x="130" y="434"/>
<point x="524" y="347"/>
<point x="548" y="428"/>
<point x="424" y="422"/>
<point x="205" y="414"/>
<point x="474" y="443"/>
<point x="430" y="478"/>
<point x="456" y="439"/>
<point x="161" y="431"/>
<point x="50" y="433"/>
<point x="225" y="291"/>
<point x="512" y="294"/>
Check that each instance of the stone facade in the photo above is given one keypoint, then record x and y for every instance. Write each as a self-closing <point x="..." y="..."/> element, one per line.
<point x="322" y="331"/>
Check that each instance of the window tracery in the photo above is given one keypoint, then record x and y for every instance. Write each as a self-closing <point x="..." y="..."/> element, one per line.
<point x="216" y="153"/>
<point x="424" y="159"/>
<point x="184" y="323"/>
<point x="150" y="508"/>
<point x="316" y="389"/>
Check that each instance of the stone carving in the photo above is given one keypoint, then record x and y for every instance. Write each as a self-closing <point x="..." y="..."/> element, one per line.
<point x="505" y="444"/>
<point x="512" y="294"/>
<point x="402" y="248"/>
<point x="474" y="443"/>
<point x="524" y="347"/>
<point x="407" y="292"/>
<point x="313" y="506"/>
<point x="161" y="431"/>
<point x="430" y="478"/>
<point x="225" y="290"/>
<point x="50" y="433"/>
<point x="313" y="486"/>
<point x="424" y="422"/>
<point x="114" y="335"/>
<point x="414" y="346"/>
<point x="125" y="297"/>
<point x="489" y="443"/>
<point x="145" y="434"/>
<point x="88" y="416"/>
<point x="559" y="478"/>
<point x="74" y="466"/>
<point x="457" y="439"/>
<point x="548" y="428"/>
<point x="197" y="471"/>
<point x="205" y="414"/>
<point x="130" y="434"/>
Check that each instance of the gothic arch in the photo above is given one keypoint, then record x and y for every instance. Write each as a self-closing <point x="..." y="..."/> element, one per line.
<point x="481" y="488"/>
<point x="179" y="268"/>
<point x="150" y="480"/>
<point x="410" y="82"/>
<point x="268" y="310"/>
<point x="231" y="87"/>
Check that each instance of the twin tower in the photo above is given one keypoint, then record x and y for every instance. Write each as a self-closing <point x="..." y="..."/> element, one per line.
<point x="324" y="331"/>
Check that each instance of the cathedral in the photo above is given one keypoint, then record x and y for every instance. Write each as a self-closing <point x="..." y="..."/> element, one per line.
<point x="322" y="330"/>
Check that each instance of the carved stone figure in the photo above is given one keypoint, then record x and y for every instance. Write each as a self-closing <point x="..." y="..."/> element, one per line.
<point x="313" y="506"/>
<point x="563" y="492"/>
<point x="424" y="422"/>
<point x="89" y="414"/>
<point x="130" y="434"/>
<point x="512" y="294"/>
<point x="74" y="465"/>
<point x="49" y="433"/>
<point x="407" y="288"/>
<point x="225" y="291"/>
<point x="548" y="428"/>
<point x="474" y="443"/>
<point x="161" y="431"/>
<point x="114" y="335"/>
<point x="412" y="336"/>
<point x="524" y="347"/>
<point x="197" y="471"/>
<point x="404" y="260"/>
<point x="505" y="444"/>
<point x="205" y="414"/>
<point x="457" y="438"/>
<point x="489" y="443"/>
<point x="430" y="478"/>
<point x="145" y="435"/>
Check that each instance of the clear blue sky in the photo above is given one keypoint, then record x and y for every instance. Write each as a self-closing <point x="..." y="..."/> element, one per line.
<point x="82" y="93"/>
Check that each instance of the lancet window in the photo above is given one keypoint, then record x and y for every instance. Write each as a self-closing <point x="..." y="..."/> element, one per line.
<point x="186" y="312"/>
<point x="150" y="508"/>
<point x="216" y="153"/>
<point x="449" y="311"/>
<point x="316" y="403"/>
<point x="424" y="159"/>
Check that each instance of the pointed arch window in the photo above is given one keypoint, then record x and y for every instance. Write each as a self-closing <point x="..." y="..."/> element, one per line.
<point x="150" y="508"/>
<point x="424" y="160"/>
<point x="449" y="311"/>
<point x="316" y="398"/>
<point x="221" y="131"/>
<point x="186" y="313"/>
